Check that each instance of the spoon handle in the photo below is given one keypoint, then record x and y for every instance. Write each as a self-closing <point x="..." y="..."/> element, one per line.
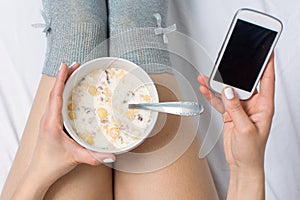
<point x="176" y="108"/>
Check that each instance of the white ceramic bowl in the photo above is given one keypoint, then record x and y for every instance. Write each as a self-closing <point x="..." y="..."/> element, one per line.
<point x="102" y="64"/>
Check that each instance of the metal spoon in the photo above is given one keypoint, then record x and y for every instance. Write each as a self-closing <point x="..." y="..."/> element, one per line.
<point x="176" y="108"/>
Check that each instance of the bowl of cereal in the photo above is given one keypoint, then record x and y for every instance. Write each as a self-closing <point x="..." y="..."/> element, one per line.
<point x="95" y="107"/>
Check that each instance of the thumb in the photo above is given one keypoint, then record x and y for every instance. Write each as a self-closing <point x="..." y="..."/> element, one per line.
<point x="103" y="157"/>
<point x="94" y="158"/>
<point x="234" y="108"/>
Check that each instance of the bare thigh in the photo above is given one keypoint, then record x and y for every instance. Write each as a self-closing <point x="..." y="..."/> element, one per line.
<point x="165" y="166"/>
<point x="84" y="182"/>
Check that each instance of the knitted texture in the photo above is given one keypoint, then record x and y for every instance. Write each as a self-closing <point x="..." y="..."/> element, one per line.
<point x="76" y="31"/>
<point x="79" y="29"/>
<point x="132" y="36"/>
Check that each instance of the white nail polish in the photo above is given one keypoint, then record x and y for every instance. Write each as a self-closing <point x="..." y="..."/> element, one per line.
<point x="60" y="66"/>
<point x="108" y="160"/>
<point x="73" y="64"/>
<point x="229" y="93"/>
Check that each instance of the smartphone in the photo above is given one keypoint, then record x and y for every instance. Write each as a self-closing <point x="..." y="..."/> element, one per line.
<point x="245" y="52"/>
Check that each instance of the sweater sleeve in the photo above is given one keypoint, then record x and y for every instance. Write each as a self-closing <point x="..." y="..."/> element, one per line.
<point x="132" y="33"/>
<point x="76" y="31"/>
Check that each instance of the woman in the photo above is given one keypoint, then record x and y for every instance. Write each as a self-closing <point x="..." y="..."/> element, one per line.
<point x="77" y="30"/>
<point x="47" y="163"/>
<point x="246" y="129"/>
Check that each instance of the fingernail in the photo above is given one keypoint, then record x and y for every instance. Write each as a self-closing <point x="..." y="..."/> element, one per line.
<point x="60" y="66"/>
<point x="108" y="160"/>
<point x="73" y="64"/>
<point x="229" y="93"/>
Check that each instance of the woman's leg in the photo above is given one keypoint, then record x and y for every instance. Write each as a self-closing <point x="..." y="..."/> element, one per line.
<point x="84" y="182"/>
<point x="165" y="166"/>
<point x="76" y="32"/>
<point x="175" y="172"/>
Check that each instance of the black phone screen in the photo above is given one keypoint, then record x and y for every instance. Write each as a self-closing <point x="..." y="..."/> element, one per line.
<point x="245" y="54"/>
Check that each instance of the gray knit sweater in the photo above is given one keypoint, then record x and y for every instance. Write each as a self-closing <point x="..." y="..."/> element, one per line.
<point x="81" y="30"/>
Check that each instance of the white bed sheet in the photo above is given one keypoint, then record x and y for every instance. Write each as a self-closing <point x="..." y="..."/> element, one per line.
<point x="22" y="53"/>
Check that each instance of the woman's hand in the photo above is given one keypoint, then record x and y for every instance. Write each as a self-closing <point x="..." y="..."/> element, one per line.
<point x="246" y="125"/>
<point x="55" y="153"/>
